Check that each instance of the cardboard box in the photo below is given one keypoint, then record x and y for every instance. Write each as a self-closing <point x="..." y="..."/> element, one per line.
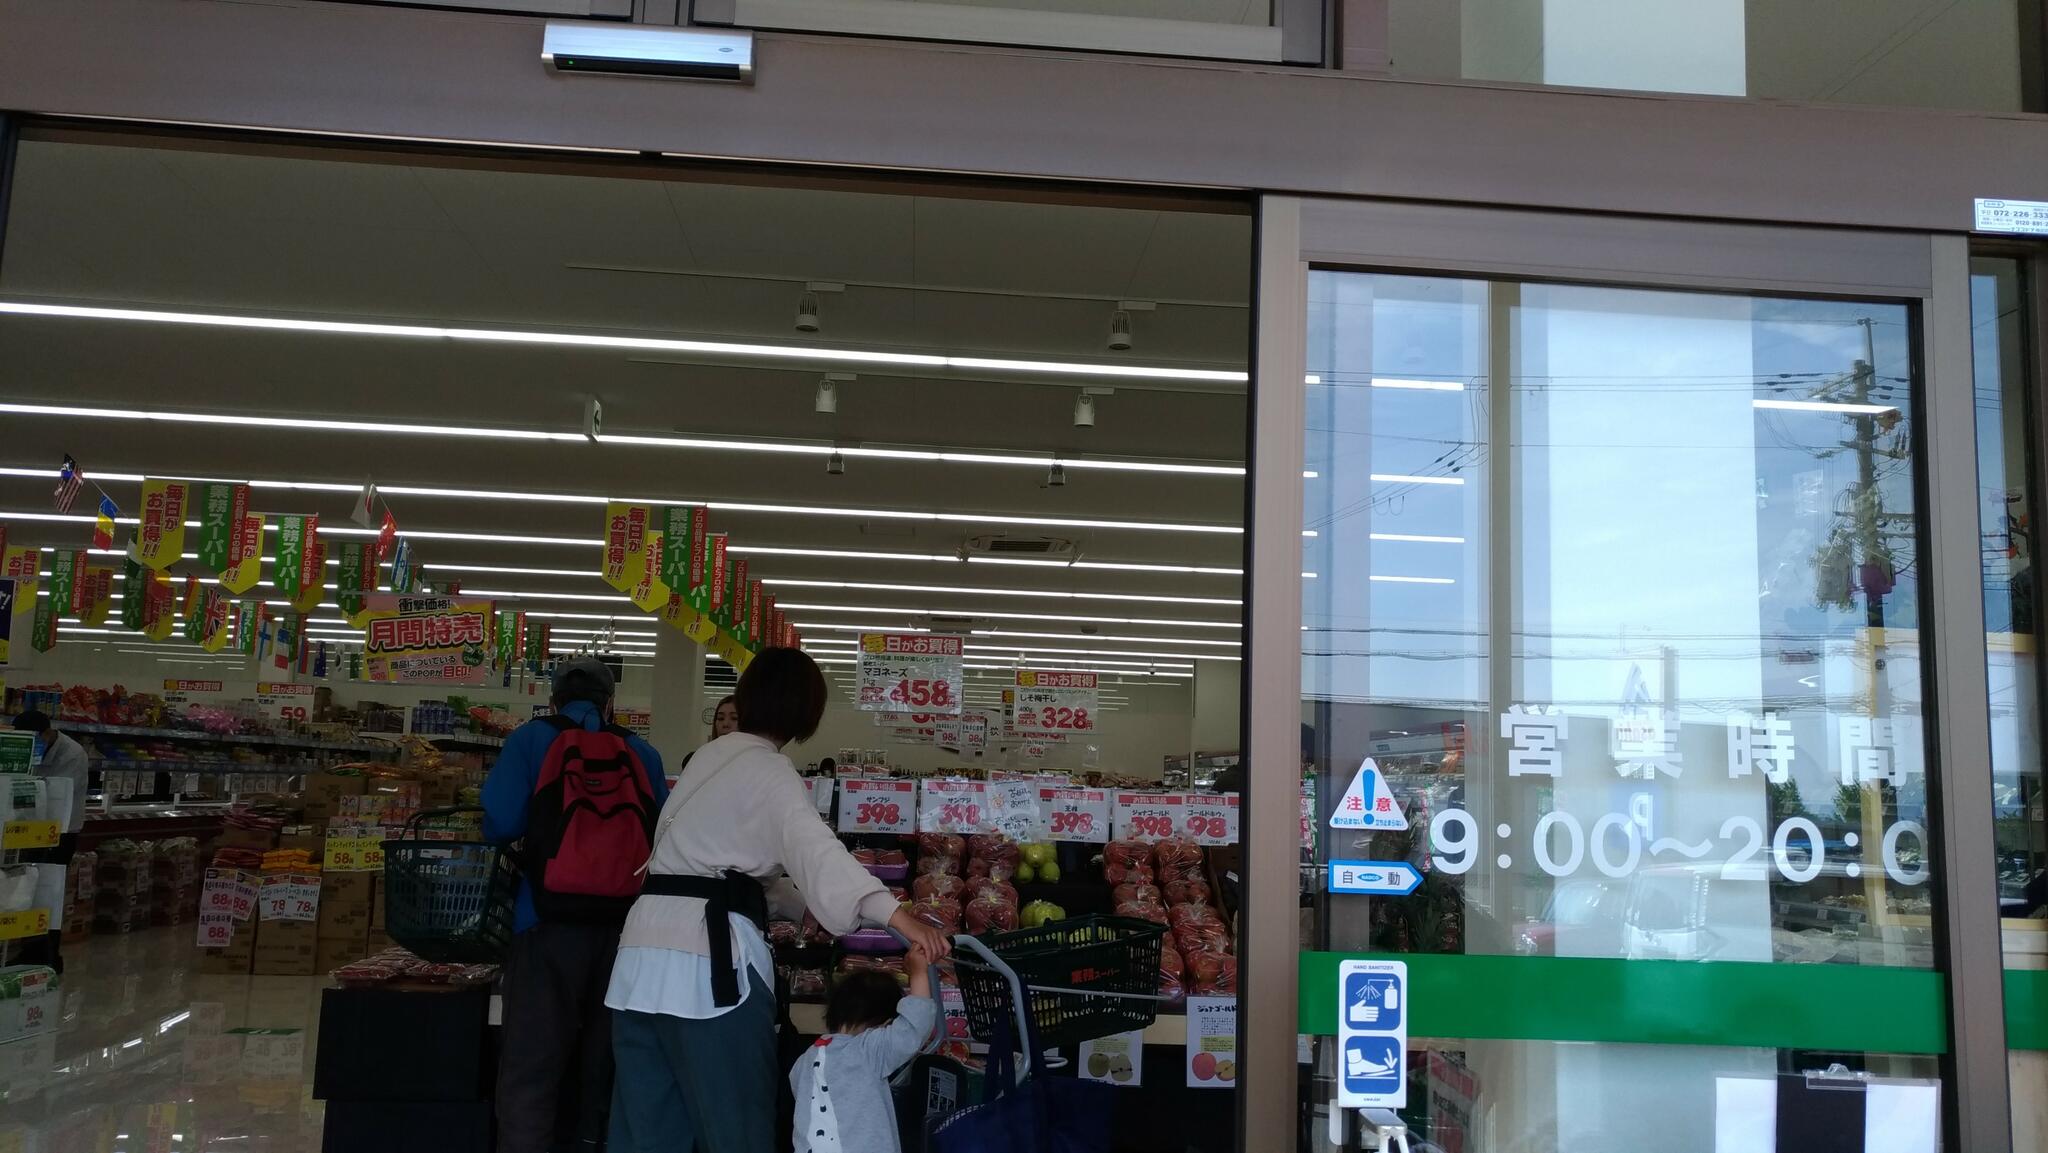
<point x="286" y="948"/>
<point x="333" y="952"/>
<point x="313" y="843"/>
<point x="238" y="837"/>
<point x="237" y="958"/>
<point x="346" y="891"/>
<point x="438" y="790"/>
<point x="323" y="792"/>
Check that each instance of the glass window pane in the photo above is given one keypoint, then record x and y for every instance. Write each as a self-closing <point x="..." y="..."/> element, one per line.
<point x="2006" y="482"/>
<point x="1615" y="592"/>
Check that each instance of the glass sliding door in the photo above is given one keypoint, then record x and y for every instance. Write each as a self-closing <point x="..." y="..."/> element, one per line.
<point x="1616" y="700"/>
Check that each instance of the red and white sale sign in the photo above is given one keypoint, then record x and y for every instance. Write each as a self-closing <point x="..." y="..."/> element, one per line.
<point x="1148" y="816"/>
<point x="292" y="704"/>
<point x="909" y="672"/>
<point x="1080" y="815"/>
<point x="871" y="805"/>
<point x="1209" y="818"/>
<point x="1054" y="703"/>
<point x="952" y="807"/>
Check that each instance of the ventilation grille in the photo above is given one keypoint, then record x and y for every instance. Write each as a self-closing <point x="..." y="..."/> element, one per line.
<point x="1049" y="547"/>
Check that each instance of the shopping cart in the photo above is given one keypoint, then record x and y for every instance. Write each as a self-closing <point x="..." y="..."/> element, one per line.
<point x="449" y="901"/>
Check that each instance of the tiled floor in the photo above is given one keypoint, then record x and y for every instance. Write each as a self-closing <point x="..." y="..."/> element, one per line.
<point x="151" y="1056"/>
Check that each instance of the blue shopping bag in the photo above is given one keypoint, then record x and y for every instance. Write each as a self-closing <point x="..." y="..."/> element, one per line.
<point x="1042" y="1115"/>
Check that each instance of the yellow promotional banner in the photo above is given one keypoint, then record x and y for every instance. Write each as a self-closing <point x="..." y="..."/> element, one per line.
<point x="626" y="529"/>
<point x="246" y="568"/>
<point x="21" y="564"/>
<point x="160" y="538"/>
<point x="312" y="575"/>
<point x="649" y="593"/>
<point x="694" y="624"/>
<point x="99" y="596"/>
<point x="427" y="639"/>
<point x="159" y="605"/>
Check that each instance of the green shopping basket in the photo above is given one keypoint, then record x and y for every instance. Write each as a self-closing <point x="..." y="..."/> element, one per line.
<point x="449" y="901"/>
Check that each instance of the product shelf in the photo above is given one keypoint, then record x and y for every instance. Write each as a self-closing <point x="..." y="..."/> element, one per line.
<point x="291" y="742"/>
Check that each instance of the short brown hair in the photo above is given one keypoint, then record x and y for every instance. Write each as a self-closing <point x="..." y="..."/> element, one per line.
<point x="781" y="696"/>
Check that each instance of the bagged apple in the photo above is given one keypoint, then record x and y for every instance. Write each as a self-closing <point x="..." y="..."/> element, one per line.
<point x="929" y="865"/>
<point x="991" y="913"/>
<point x="937" y="885"/>
<point x="1136" y="891"/>
<point x="942" y="913"/>
<point x="941" y="845"/>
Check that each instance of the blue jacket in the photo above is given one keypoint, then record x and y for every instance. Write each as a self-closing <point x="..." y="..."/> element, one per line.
<point x="508" y="790"/>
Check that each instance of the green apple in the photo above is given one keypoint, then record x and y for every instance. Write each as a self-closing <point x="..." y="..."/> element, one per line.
<point x="1049" y="872"/>
<point x="1025" y="873"/>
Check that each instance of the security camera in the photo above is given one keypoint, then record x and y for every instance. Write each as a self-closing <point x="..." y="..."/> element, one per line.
<point x="1084" y="411"/>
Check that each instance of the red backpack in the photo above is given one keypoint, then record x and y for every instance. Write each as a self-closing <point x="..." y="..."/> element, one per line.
<point x="590" y="826"/>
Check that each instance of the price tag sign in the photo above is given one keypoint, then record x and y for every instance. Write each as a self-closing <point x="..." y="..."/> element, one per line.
<point x="1079" y="815"/>
<point x="909" y="672"/>
<point x="229" y="892"/>
<point x="216" y="930"/>
<point x="1209" y="818"/>
<point x="1013" y="810"/>
<point x="871" y="805"/>
<point x="29" y="835"/>
<point x="953" y="807"/>
<point x="26" y="923"/>
<point x="289" y="897"/>
<point x="975" y="728"/>
<point x="1054" y="703"/>
<point x="292" y="704"/>
<point x="1148" y="816"/>
<point x="354" y="854"/>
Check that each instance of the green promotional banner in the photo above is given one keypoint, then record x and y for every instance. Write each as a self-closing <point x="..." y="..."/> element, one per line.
<point x="675" y="547"/>
<point x="248" y="622"/>
<point x="719" y="580"/>
<point x="44" y="636"/>
<point x="508" y="638"/>
<point x="294" y="532"/>
<point x="136" y="602"/>
<point x="354" y="581"/>
<point x="696" y="589"/>
<point x="230" y="536"/>
<point x="64" y="574"/>
<point x="736" y="596"/>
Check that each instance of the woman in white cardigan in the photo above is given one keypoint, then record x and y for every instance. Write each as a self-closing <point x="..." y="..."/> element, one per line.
<point x="693" y="1023"/>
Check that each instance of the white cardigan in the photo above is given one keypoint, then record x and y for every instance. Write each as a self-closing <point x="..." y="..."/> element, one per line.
<point x="741" y="805"/>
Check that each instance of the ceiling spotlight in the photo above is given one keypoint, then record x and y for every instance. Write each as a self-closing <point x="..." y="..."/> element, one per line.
<point x="1084" y="411"/>
<point x="1120" y="330"/>
<point x="807" y="312"/>
<point x="828" y="391"/>
<point x="1057" y="478"/>
<point x="835" y="465"/>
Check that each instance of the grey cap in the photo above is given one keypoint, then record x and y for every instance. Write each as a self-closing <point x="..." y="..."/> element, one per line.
<point x="591" y="672"/>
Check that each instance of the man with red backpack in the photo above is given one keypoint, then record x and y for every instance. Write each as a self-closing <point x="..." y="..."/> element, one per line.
<point x="579" y="795"/>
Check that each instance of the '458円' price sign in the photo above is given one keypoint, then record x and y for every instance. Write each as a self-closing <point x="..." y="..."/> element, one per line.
<point x="869" y="805"/>
<point x="1054" y="703"/>
<point x="909" y="672"/>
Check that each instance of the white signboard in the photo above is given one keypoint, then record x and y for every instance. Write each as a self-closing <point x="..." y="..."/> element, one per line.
<point x="1368" y="803"/>
<point x="2014" y="217"/>
<point x="290" y="897"/>
<point x="1372" y="1034"/>
<point x="1148" y="816"/>
<point x="909" y="672"/>
<point x="1210" y="818"/>
<point x="1079" y="815"/>
<point x="1054" y="703"/>
<point x="292" y="704"/>
<point x="1118" y="1059"/>
<point x="1013" y="810"/>
<point x="871" y="805"/>
<point x="952" y="807"/>
<point x="1212" y="1042"/>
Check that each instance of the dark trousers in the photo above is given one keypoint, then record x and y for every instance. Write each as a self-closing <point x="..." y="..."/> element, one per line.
<point x="555" y="1067"/>
<point x="699" y="1086"/>
<point x="49" y="950"/>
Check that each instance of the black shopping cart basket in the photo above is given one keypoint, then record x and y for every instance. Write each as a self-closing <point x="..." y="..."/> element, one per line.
<point x="449" y="901"/>
<point x="1079" y="979"/>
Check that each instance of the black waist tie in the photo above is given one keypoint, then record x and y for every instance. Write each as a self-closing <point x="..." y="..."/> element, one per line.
<point x="735" y="892"/>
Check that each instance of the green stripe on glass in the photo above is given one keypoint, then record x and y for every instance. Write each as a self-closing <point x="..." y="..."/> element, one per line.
<point x="1860" y="1008"/>
<point x="2026" y="1008"/>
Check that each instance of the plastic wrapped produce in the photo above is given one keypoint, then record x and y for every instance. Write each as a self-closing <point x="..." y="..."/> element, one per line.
<point x="937" y="885"/>
<point x="1001" y="890"/>
<point x="1143" y="911"/>
<point x="1212" y="974"/>
<point x="1126" y="853"/>
<point x="986" y="914"/>
<point x="942" y="845"/>
<point x="1170" y="966"/>
<point x="1137" y="891"/>
<point x="1201" y="937"/>
<point x="984" y="869"/>
<point x="883" y="857"/>
<point x="1187" y="891"/>
<point x="994" y="848"/>
<point x="942" y="913"/>
<point x="1177" y="857"/>
<point x="929" y="865"/>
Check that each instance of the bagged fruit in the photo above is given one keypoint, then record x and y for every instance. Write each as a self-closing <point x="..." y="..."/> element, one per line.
<point x="929" y="865"/>
<point x="1192" y="914"/>
<point x="1212" y="974"/>
<point x="942" y="913"/>
<point x="937" y="885"/>
<point x="994" y="848"/>
<point x="1118" y="874"/>
<point x="1126" y="854"/>
<point x="1187" y="891"/>
<point x="983" y="869"/>
<point x="941" y="845"/>
<point x="1137" y="891"/>
<point x="1176" y="855"/>
<point x="1000" y="890"/>
<point x="1143" y="911"/>
<point x="988" y="913"/>
<point x="1207" y="937"/>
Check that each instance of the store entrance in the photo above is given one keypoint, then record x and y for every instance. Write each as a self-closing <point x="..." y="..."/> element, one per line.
<point x="354" y="450"/>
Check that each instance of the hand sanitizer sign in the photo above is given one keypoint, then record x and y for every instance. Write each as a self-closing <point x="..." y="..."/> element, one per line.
<point x="1368" y="803"/>
<point x="1372" y="1034"/>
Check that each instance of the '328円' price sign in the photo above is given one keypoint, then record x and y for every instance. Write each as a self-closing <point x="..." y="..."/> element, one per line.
<point x="1054" y="703"/>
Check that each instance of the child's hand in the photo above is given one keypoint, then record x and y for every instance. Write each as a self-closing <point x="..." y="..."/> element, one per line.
<point x="920" y="957"/>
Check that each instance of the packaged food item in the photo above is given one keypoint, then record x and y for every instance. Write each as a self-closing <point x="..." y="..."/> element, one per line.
<point x="785" y="934"/>
<point x="1000" y="890"/>
<point x="1137" y="891"/>
<point x="1212" y="974"/>
<point x="1124" y="861"/>
<point x="929" y="865"/>
<point x="805" y="983"/>
<point x="1143" y="911"/>
<point x="1187" y="891"/>
<point x="882" y="857"/>
<point x="991" y="914"/>
<point x="942" y="913"/>
<point x="937" y="885"/>
<point x="941" y="845"/>
<point x="996" y="849"/>
<point x="982" y="868"/>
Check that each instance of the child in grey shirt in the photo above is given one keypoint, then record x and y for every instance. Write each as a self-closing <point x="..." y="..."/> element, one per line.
<point x="843" y="1103"/>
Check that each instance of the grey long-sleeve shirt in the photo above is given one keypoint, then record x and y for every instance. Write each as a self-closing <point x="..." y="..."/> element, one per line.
<point x="842" y="1083"/>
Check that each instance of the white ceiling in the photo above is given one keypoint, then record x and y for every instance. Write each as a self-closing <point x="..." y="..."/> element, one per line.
<point x="241" y="233"/>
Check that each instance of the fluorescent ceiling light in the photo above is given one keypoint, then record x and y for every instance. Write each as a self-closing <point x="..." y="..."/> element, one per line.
<point x="938" y="456"/>
<point x="1412" y="580"/>
<point x="1418" y="538"/>
<point x="1118" y="566"/>
<point x="1421" y="385"/>
<point x="1115" y="639"/>
<point x="248" y="421"/>
<point x="1007" y="616"/>
<point x="971" y="591"/>
<point x="1404" y="478"/>
<point x="798" y="352"/>
<point x="1825" y="406"/>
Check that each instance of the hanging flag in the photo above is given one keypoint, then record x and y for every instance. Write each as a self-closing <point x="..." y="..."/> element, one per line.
<point x="137" y="598"/>
<point x="718" y="580"/>
<point x="294" y="536"/>
<point x="402" y="567"/>
<point x="230" y="537"/>
<point x="386" y="536"/>
<point x="365" y="512"/>
<point x="44" y="635"/>
<point x="99" y="599"/>
<point x="160" y="605"/>
<point x="320" y="659"/>
<point x="160" y="537"/>
<point x="248" y="622"/>
<point x="7" y="596"/>
<point x="304" y="660"/>
<point x="736" y="594"/>
<point x="313" y="573"/>
<point x="103" y="525"/>
<point x="284" y="642"/>
<point x="649" y="593"/>
<point x="70" y="479"/>
<point x="23" y="565"/>
<point x="357" y="577"/>
<point x="754" y="606"/>
<point x="355" y="665"/>
<point x="625" y="544"/>
<point x="64" y="581"/>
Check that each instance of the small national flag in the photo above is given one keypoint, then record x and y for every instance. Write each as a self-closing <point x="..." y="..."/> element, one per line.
<point x="387" y="536"/>
<point x="69" y="481"/>
<point x="365" y="512"/>
<point x="103" y="528"/>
